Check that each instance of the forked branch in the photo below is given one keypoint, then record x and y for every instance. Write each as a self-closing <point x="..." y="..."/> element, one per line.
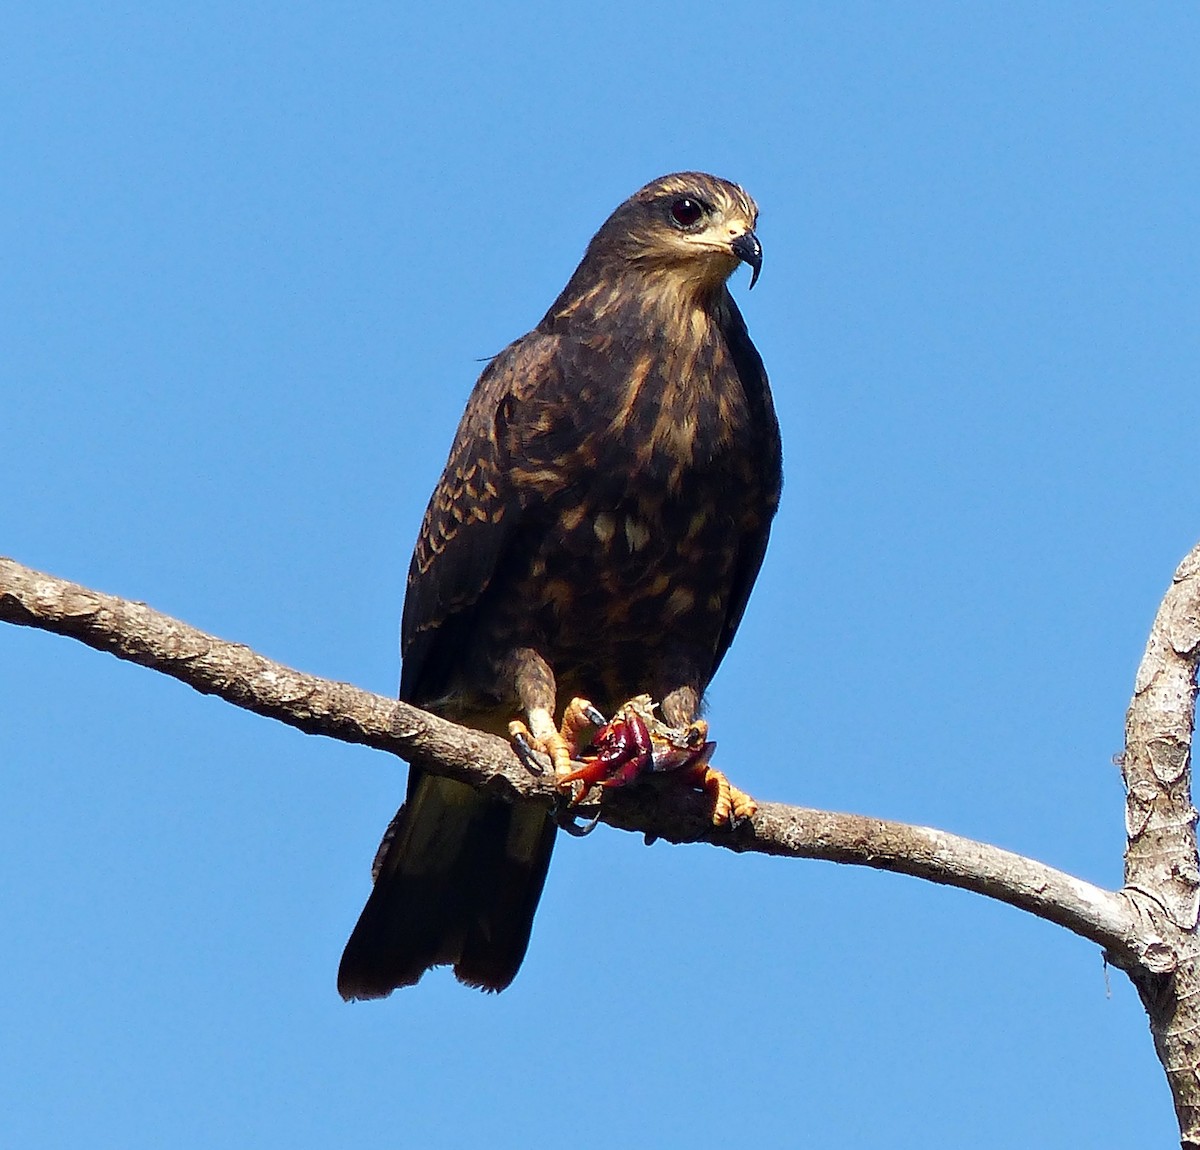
<point x="1148" y="928"/>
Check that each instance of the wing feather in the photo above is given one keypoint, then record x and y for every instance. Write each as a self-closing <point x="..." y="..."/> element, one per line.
<point x="472" y="514"/>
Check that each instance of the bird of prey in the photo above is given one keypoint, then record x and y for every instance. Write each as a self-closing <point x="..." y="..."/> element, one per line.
<point x="594" y="537"/>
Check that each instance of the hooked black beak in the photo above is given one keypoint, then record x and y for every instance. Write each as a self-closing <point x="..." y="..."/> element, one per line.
<point x="747" y="249"/>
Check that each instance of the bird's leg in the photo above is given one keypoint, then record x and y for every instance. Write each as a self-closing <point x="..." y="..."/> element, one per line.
<point x="730" y="804"/>
<point x="680" y="708"/>
<point x="535" y="689"/>
<point x="578" y="718"/>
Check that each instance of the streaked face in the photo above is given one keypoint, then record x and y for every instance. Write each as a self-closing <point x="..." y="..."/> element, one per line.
<point x="697" y="224"/>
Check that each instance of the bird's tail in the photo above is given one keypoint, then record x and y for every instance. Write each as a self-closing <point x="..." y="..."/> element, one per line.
<point x="457" y="878"/>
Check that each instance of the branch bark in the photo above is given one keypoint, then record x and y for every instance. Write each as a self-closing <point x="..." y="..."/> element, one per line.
<point x="1148" y="928"/>
<point x="1162" y="878"/>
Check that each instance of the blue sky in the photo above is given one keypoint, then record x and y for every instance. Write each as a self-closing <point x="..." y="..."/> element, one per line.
<point x="253" y="257"/>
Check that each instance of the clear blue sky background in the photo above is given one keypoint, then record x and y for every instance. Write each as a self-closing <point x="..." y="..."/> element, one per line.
<point x="252" y="257"/>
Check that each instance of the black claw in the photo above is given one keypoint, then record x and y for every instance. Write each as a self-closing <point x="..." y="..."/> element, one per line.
<point x="736" y="822"/>
<point x="594" y="717"/>
<point x="576" y="829"/>
<point x="527" y="754"/>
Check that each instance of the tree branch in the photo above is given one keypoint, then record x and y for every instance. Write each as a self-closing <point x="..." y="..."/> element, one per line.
<point x="1148" y="928"/>
<point x="1162" y="877"/>
<point x="318" y="706"/>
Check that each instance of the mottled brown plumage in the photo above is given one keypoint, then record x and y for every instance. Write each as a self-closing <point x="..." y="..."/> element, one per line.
<point x="596" y="532"/>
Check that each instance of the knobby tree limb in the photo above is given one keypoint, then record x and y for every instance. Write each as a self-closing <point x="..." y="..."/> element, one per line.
<point x="1148" y="928"/>
<point x="1162" y="878"/>
<point x="239" y="675"/>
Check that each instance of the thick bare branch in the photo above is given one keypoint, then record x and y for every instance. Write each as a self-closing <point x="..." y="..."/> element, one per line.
<point x="1148" y="928"/>
<point x="136" y="632"/>
<point x="1162" y="878"/>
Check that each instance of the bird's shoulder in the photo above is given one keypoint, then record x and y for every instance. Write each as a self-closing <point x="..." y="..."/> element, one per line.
<point x="475" y="507"/>
<point x="474" y="488"/>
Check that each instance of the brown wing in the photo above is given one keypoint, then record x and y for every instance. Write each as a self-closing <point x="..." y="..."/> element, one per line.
<point x="458" y="875"/>
<point x="472" y="513"/>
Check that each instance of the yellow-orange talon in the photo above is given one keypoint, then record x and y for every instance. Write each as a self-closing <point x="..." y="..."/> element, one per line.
<point x="525" y="745"/>
<point x="744" y="807"/>
<point x="729" y="803"/>
<point x="552" y="744"/>
<point x="579" y="718"/>
<point x="518" y="730"/>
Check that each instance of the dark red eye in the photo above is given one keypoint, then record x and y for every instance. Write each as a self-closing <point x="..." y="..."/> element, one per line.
<point x="687" y="212"/>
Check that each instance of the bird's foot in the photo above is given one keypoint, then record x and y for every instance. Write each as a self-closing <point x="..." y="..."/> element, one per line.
<point x="636" y="742"/>
<point x="559" y="746"/>
<point x="580" y="718"/>
<point x="730" y="804"/>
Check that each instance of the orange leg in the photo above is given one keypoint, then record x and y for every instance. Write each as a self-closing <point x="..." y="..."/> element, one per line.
<point x="560" y="745"/>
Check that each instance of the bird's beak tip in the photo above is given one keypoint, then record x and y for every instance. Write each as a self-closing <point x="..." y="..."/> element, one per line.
<point x="747" y="249"/>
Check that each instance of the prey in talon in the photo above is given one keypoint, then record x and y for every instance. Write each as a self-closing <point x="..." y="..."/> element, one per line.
<point x="637" y="742"/>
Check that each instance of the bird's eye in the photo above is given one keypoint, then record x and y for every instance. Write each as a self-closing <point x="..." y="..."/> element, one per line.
<point x="686" y="212"/>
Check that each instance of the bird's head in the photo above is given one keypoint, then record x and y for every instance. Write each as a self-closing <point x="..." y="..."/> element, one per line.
<point x="689" y="225"/>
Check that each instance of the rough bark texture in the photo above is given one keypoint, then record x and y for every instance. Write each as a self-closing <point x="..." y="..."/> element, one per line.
<point x="1161" y="876"/>
<point x="1148" y="928"/>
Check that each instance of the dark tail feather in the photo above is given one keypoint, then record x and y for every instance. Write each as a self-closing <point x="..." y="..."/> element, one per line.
<point x="457" y="880"/>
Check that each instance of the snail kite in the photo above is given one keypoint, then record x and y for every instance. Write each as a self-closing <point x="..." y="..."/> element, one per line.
<point x="593" y="538"/>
